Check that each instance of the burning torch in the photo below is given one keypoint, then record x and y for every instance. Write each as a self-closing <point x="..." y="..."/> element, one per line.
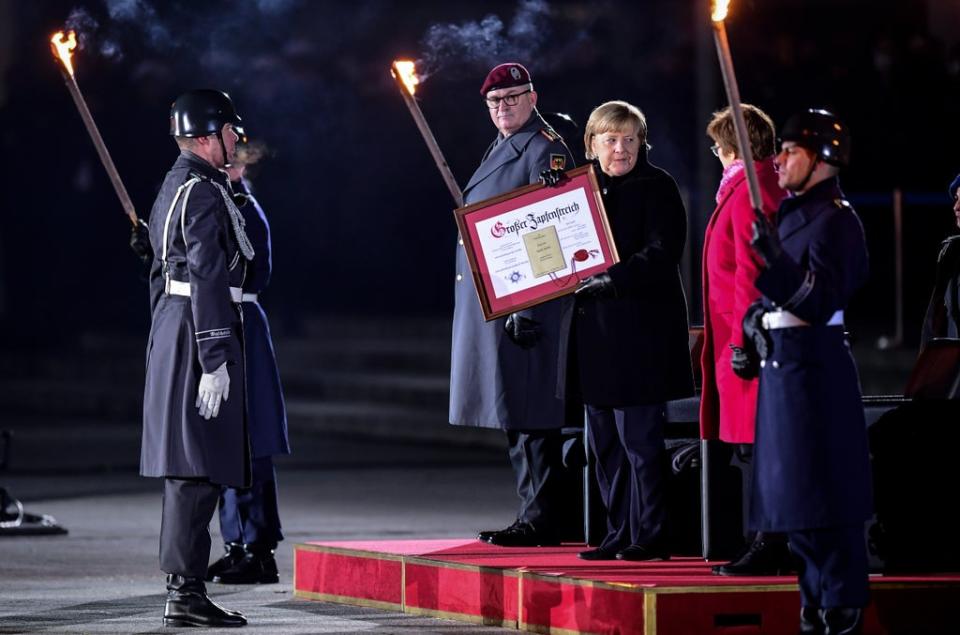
<point x="719" y="14"/>
<point x="405" y="74"/>
<point x="63" y="51"/>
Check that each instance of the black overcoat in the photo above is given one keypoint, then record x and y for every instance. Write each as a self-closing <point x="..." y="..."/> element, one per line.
<point x="632" y="349"/>
<point x="811" y="464"/>
<point x="193" y="335"/>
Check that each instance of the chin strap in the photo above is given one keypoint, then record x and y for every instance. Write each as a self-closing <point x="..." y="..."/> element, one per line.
<point x="803" y="184"/>
<point x="223" y="149"/>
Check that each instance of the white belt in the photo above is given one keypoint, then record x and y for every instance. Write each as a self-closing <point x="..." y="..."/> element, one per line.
<point x="176" y="287"/>
<point x="786" y="319"/>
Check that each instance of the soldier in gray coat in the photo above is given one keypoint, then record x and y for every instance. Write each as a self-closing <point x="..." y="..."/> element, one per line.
<point x="504" y="372"/>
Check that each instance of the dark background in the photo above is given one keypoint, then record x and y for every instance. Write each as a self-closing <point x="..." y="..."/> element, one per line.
<point x="361" y="219"/>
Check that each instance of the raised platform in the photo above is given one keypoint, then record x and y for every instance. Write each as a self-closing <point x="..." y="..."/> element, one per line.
<point x="549" y="590"/>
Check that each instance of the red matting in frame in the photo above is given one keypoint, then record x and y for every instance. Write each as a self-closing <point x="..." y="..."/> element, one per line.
<point x="509" y="215"/>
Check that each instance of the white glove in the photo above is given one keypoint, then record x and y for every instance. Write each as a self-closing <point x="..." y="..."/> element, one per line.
<point x="213" y="387"/>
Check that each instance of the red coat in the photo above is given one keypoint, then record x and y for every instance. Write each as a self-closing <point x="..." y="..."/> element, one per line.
<point x="728" y="405"/>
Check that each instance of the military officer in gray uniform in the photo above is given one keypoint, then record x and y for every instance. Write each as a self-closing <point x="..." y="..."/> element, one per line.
<point x="194" y="419"/>
<point x="504" y="372"/>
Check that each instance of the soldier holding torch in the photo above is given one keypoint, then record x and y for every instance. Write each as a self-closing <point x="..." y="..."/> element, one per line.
<point x="492" y="362"/>
<point x="811" y="462"/>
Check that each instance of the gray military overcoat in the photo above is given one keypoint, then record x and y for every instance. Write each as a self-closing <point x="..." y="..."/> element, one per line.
<point x="493" y="382"/>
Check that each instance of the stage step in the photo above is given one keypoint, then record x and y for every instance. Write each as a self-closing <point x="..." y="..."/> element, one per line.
<point x="550" y="590"/>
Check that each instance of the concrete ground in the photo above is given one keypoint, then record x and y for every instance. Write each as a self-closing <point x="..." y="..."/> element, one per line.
<point x="103" y="577"/>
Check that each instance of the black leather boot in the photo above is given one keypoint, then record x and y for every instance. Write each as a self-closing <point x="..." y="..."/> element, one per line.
<point x="257" y="566"/>
<point x="811" y="622"/>
<point x="234" y="554"/>
<point x="522" y="534"/>
<point x="486" y="534"/>
<point x="762" y="557"/>
<point x="843" y="621"/>
<point x="188" y="605"/>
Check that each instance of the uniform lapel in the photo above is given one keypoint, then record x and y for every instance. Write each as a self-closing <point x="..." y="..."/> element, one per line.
<point x="802" y="214"/>
<point x="500" y="154"/>
<point x="503" y="153"/>
<point x="792" y="223"/>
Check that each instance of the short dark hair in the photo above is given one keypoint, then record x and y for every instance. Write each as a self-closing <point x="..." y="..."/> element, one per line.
<point x="760" y="131"/>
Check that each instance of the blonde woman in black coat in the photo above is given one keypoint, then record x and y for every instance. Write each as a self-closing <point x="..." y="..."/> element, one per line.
<point x="629" y="340"/>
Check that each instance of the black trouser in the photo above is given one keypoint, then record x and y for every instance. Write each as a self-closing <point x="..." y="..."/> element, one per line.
<point x="834" y="571"/>
<point x="250" y="516"/>
<point x="628" y="446"/>
<point x="188" y="506"/>
<point x="537" y="459"/>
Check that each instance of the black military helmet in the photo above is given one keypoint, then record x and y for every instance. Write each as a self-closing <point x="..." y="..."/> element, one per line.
<point x="202" y="112"/>
<point x="822" y="132"/>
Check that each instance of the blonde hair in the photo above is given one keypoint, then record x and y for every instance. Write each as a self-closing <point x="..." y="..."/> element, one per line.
<point x="614" y="116"/>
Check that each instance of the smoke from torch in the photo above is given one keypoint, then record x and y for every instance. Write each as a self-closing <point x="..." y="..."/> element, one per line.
<point x="63" y="51"/>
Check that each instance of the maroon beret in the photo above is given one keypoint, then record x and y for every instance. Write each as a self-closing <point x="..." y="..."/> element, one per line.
<point x="505" y="76"/>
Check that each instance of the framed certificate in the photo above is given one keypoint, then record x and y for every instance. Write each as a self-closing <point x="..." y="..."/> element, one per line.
<point x="536" y="243"/>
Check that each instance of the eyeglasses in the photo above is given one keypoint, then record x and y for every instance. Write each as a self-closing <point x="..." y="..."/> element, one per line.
<point x="510" y="100"/>
<point x="715" y="149"/>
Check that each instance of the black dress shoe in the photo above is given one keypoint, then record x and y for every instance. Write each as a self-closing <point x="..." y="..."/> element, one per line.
<point x="761" y="557"/>
<point x="188" y="605"/>
<point x="810" y="620"/>
<point x="257" y="566"/>
<point x="843" y="621"/>
<point x="523" y="535"/>
<point x="234" y="554"/>
<point x="639" y="553"/>
<point x="600" y="553"/>
<point x="487" y="534"/>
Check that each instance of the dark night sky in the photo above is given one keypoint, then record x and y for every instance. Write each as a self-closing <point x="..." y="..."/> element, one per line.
<point x="361" y="218"/>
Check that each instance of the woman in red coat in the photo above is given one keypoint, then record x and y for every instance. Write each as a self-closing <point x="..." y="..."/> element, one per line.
<point x="728" y="405"/>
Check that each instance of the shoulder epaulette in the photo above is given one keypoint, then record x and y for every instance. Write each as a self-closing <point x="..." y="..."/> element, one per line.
<point x="550" y="134"/>
<point x="842" y="203"/>
<point x="196" y="175"/>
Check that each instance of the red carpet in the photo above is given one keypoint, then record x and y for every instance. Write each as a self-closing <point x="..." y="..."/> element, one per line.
<point x="549" y="590"/>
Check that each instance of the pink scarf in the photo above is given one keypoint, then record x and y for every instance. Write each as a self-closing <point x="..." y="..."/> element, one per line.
<point x="729" y="172"/>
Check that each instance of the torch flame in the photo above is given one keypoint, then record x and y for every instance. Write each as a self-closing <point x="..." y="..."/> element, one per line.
<point x="63" y="48"/>
<point x="720" y="10"/>
<point x="407" y="71"/>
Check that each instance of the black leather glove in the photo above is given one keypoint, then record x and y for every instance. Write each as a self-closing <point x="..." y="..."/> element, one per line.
<point x="745" y="362"/>
<point x="753" y="332"/>
<point x="522" y="331"/>
<point x="598" y="286"/>
<point x="766" y="241"/>
<point x="140" y="243"/>
<point x="552" y="177"/>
